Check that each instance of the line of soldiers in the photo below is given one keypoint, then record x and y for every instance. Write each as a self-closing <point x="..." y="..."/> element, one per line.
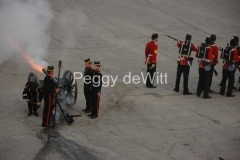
<point x="92" y="87"/>
<point x="207" y="55"/>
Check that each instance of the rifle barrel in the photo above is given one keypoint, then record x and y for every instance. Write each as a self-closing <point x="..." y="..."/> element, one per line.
<point x="173" y="38"/>
<point x="54" y="79"/>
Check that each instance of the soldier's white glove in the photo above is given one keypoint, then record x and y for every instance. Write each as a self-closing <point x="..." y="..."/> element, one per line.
<point x="153" y="65"/>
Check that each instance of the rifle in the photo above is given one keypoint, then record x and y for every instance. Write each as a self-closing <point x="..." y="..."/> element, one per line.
<point x="173" y="38"/>
<point x="215" y="72"/>
<point x="221" y="49"/>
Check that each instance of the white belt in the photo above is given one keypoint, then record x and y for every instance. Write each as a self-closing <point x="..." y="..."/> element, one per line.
<point x="206" y="60"/>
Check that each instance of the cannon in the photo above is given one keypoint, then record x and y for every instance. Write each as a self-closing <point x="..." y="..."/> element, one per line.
<point x="67" y="95"/>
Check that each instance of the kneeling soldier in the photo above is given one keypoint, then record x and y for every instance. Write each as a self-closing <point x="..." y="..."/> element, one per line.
<point x="30" y="93"/>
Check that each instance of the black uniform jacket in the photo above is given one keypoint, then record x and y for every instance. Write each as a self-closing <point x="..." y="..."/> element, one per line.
<point x="97" y="81"/>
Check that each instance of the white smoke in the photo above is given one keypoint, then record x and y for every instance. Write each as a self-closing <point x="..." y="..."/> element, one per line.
<point x="26" y="21"/>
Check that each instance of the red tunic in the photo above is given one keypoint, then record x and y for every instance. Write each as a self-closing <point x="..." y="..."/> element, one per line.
<point x="238" y="50"/>
<point x="210" y="56"/>
<point x="184" y="59"/>
<point x="151" y="52"/>
<point x="215" y="53"/>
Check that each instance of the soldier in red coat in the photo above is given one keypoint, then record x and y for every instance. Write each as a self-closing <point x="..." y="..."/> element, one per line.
<point x="236" y="38"/>
<point x="214" y="61"/>
<point x="228" y="69"/>
<point x="151" y="51"/>
<point x="185" y="49"/>
<point x="206" y="56"/>
<point x="236" y="63"/>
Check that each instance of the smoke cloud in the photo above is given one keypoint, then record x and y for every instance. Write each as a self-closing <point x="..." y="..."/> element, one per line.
<point x="25" y="21"/>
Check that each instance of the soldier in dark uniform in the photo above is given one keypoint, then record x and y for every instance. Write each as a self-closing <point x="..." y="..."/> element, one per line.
<point x="30" y="93"/>
<point x="151" y="51"/>
<point x="214" y="61"/>
<point x="204" y="68"/>
<point x="88" y="74"/>
<point x="183" y="66"/>
<point x="96" y="89"/>
<point x="49" y="88"/>
<point x="228" y="70"/>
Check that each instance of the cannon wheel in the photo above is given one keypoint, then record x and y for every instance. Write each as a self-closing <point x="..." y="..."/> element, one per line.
<point x="33" y="77"/>
<point x="72" y="90"/>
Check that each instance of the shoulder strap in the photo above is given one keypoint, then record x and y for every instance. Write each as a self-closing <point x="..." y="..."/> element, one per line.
<point x="231" y="52"/>
<point x="189" y="49"/>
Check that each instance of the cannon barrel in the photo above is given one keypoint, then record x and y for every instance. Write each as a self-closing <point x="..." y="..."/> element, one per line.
<point x="44" y="71"/>
<point x="54" y="79"/>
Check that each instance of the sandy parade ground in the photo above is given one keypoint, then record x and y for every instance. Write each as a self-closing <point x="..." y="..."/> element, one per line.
<point x="135" y="122"/>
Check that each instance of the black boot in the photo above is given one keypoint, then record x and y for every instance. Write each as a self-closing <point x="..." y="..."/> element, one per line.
<point x="210" y="91"/>
<point x="176" y="90"/>
<point x="234" y="87"/>
<point x="187" y="93"/>
<point x="36" y="114"/>
<point x="84" y="110"/>
<point x="29" y="113"/>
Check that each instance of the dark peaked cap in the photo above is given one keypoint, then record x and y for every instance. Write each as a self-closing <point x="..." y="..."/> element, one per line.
<point x="97" y="63"/>
<point x="50" y="68"/>
<point x="87" y="60"/>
